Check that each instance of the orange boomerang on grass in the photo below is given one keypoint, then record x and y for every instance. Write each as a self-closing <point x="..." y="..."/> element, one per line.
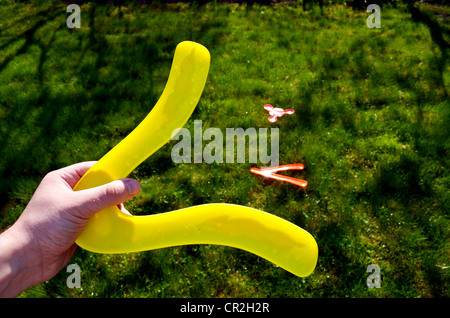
<point x="112" y="231"/>
<point x="269" y="173"/>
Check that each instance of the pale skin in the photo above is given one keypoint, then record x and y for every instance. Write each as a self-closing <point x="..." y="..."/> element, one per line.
<point x="42" y="240"/>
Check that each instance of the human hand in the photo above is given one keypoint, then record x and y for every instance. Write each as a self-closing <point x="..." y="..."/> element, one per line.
<point x="41" y="242"/>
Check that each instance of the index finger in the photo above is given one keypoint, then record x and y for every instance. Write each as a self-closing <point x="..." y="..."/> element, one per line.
<point x="71" y="174"/>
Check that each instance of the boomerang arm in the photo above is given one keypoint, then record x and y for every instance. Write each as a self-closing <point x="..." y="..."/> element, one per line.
<point x="263" y="234"/>
<point x="292" y="166"/>
<point x="295" y="181"/>
<point x="184" y="87"/>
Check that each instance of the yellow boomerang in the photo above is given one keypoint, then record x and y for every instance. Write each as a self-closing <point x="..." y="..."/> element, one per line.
<point x="112" y="231"/>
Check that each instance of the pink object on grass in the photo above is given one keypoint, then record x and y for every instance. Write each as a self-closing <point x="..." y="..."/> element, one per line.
<point x="275" y="113"/>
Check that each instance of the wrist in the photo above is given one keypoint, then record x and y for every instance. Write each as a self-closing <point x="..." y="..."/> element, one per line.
<point x="15" y="275"/>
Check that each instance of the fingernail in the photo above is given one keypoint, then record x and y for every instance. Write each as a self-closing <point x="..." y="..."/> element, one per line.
<point x="133" y="186"/>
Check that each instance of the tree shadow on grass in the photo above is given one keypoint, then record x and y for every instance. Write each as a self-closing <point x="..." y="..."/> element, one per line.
<point x="335" y="255"/>
<point x="10" y="166"/>
<point x="49" y="115"/>
<point x="431" y="142"/>
<point x="401" y="179"/>
<point x="28" y="35"/>
<point x="46" y="114"/>
<point x="436" y="32"/>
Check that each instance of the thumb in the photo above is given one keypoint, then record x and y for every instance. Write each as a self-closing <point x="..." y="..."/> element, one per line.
<point x="110" y="194"/>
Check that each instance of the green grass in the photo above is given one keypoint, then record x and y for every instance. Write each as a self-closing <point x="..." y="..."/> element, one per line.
<point x="371" y="128"/>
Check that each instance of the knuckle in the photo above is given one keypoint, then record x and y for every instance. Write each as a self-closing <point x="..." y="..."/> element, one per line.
<point x="114" y="191"/>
